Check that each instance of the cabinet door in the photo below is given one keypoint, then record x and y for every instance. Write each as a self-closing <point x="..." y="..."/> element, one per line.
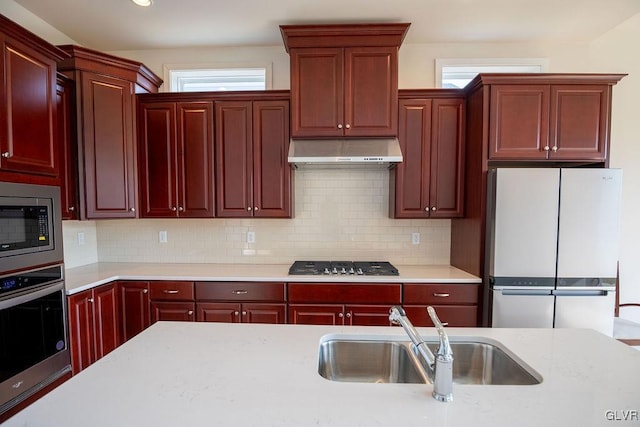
<point x="579" y="117"/>
<point x="195" y="159"/>
<point x="410" y="179"/>
<point x="371" y="91"/>
<point x="134" y="308"/>
<point x="447" y="158"/>
<point x="367" y="315"/>
<point x="157" y="157"/>
<point x="218" y="312"/>
<point x="28" y="139"/>
<point x="67" y="147"/>
<point x="107" y="337"/>
<point x="234" y="159"/>
<point x="519" y="122"/>
<point x="317" y="92"/>
<point x="108" y="147"/>
<point x="173" y="311"/>
<point x="264" y="313"/>
<point x="308" y="314"/>
<point x="272" y="191"/>
<point x="81" y="331"/>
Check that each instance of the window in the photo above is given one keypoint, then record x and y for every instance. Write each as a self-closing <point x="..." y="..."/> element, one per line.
<point x="199" y="78"/>
<point x="457" y="73"/>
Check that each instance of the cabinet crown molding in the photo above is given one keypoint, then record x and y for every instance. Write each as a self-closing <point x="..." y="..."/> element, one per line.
<point x="343" y="35"/>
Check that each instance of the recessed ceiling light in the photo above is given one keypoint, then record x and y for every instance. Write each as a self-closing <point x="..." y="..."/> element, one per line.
<point x="143" y="2"/>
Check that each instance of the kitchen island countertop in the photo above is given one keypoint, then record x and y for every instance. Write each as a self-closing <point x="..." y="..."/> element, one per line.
<point x="205" y="374"/>
<point x="85" y="277"/>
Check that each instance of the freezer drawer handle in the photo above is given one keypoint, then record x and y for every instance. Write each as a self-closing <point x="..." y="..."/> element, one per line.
<point x="525" y="292"/>
<point x="582" y="293"/>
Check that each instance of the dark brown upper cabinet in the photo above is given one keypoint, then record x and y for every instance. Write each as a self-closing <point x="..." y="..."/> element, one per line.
<point x="105" y="89"/>
<point x="28" y="129"/>
<point x="548" y="117"/>
<point x="253" y="177"/>
<point x="344" y="79"/>
<point x="429" y="181"/>
<point x="176" y="159"/>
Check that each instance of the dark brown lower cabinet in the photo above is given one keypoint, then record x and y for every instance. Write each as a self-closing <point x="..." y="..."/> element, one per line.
<point x="173" y="311"/>
<point x="338" y="314"/>
<point x="134" y="308"/>
<point x="455" y="303"/>
<point x="93" y="325"/>
<point x="241" y="313"/>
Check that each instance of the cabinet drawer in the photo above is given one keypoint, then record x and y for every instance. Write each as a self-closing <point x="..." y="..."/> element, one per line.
<point x="170" y="290"/>
<point x="440" y="294"/>
<point x="449" y="315"/>
<point x="240" y="291"/>
<point x="346" y="293"/>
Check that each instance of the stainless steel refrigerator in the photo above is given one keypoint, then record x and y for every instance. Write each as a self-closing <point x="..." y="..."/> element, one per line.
<point x="552" y="242"/>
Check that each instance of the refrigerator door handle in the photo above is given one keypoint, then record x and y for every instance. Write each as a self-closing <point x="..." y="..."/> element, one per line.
<point x="525" y="292"/>
<point x="580" y="293"/>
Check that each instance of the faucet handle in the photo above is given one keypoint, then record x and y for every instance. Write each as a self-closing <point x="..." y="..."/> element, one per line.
<point x="445" y="349"/>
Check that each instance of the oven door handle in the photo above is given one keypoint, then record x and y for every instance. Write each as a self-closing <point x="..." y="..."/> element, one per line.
<point x="31" y="295"/>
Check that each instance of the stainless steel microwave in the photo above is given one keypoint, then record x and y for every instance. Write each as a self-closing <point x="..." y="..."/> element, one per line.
<point x="30" y="226"/>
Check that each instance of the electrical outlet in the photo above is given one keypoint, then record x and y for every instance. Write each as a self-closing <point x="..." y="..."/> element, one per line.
<point x="81" y="240"/>
<point x="251" y="236"/>
<point x="162" y="237"/>
<point x="415" y="238"/>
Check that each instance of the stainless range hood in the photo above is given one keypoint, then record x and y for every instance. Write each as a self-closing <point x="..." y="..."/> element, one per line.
<point x="344" y="151"/>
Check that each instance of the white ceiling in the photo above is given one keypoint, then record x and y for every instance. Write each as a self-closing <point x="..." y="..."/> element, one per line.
<point x="120" y="25"/>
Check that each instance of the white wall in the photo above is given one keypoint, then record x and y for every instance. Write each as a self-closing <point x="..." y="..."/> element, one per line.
<point x="617" y="51"/>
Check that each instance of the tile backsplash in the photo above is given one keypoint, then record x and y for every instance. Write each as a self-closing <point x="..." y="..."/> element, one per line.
<point x="339" y="214"/>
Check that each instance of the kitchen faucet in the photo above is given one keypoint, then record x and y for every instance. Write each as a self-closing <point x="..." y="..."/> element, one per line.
<point x="440" y="366"/>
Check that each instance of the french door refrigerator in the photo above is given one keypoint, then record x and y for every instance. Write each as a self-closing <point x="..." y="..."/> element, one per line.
<point x="552" y="241"/>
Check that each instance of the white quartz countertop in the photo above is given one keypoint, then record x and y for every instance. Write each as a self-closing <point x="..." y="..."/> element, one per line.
<point x="216" y="374"/>
<point x="81" y="278"/>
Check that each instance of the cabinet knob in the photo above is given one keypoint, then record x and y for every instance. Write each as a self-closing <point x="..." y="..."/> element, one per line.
<point x="339" y="125"/>
<point x="190" y="312"/>
<point x="236" y="313"/>
<point x="554" y="148"/>
<point x="132" y="209"/>
<point x="173" y="209"/>
<point x="340" y="315"/>
<point x="249" y="208"/>
<point x="180" y="209"/>
<point x="348" y="126"/>
<point x="255" y="208"/>
<point x="90" y="300"/>
<point x="433" y="208"/>
<point x="244" y="313"/>
<point x="6" y="154"/>
<point x="145" y="291"/>
<point x="426" y="208"/>
<point x="546" y="148"/>
<point x="71" y="208"/>
<point x="348" y="314"/>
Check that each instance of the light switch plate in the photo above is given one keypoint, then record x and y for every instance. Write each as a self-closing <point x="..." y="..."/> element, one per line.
<point x="162" y="237"/>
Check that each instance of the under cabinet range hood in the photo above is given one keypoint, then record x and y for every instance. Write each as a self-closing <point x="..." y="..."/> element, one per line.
<point x="345" y="151"/>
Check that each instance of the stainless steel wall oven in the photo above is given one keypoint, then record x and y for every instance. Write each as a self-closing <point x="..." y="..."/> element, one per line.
<point x="34" y="348"/>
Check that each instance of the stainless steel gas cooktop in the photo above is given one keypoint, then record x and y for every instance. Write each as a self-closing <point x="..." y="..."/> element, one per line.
<point x="346" y="268"/>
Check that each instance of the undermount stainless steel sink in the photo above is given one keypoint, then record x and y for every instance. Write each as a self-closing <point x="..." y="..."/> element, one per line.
<point x="370" y="360"/>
